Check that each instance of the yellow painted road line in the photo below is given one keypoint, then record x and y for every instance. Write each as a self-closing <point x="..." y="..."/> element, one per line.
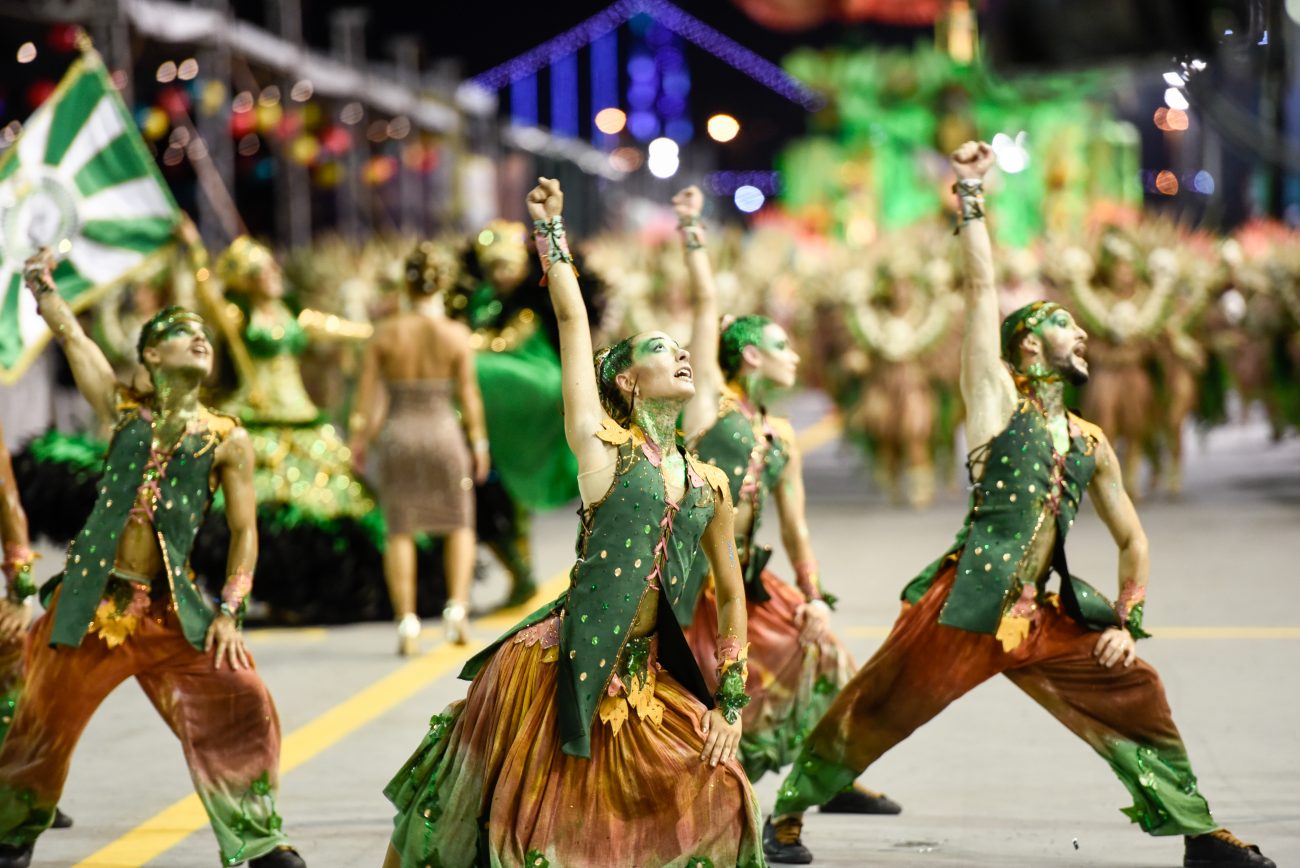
<point x="173" y="824"/>
<point x="866" y="632"/>
<point x="276" y="635"/>
<point x="824" y="431"/>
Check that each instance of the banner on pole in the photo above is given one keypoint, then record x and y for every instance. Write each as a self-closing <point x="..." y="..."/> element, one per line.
<point x="79" y="180"/>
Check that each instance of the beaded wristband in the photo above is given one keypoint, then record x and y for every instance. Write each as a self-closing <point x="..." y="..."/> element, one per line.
<point x="552" y="243"/>
<point x="970" y="200"/>
<point x="692" y="232"/>
<point x="235" y="591"/>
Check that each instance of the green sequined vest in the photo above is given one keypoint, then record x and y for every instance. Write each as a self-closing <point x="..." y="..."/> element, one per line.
<point x="1025" y="485"/>
<point x="746" y="447"/>
<point x="628" y="542"/>
<point x="180" y="505"/>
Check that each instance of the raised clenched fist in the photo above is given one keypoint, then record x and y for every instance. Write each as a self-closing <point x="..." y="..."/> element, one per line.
<point x="546" y="200"/>
<point x="972" y="160"/>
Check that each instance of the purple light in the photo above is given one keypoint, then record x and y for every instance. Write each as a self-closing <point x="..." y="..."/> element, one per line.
<point x="658" y="35"/>
<point x="564" y="96"/>
<point x="670" y="106"/>
<point x="604" y="80"/>
<point x="679" y="130"/>
<point x="523" y="101"/>
<point x="641" y="95"/>
<point x="642" y="68"/>
<point x="671" y="17"/>
<point x="643" y="125"/>
<point x="670" y="58"/>
<point x="677" y="83"/>
<point x="725" y="183"/>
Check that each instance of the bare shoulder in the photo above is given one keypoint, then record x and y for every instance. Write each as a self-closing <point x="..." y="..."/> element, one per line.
<point x="230" y="439"/>
<point x="1092" y="432"/>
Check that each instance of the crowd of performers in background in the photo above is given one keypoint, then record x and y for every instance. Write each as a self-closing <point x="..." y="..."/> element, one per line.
<point x="463" y="397"/>
<point x="326" y="361"/>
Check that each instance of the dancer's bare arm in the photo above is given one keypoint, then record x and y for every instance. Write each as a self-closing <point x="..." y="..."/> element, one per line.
<point x="1116" y="510"/>
<point x="702" y="410"/>
<point x="13" y="532"/>
<point x="13" y="518"/>
<point x="583" y="415"/>
<point x="471" y="408"/>
<point x="235" y="461"/>
<point x="792" y="508"/>
<point x="986" y="386"/>
<point x="90" y="367"/>
<point x="719" y="544"/>
<point x="364" y="423"/>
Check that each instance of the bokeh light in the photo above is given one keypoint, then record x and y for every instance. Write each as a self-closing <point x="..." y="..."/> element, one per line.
<point x="1175" y="99"/>
<point x="626" y="159"/>
<point x="26" y="52"/>
<point x="1203" y="183"/>
<point x="723" y="127"/>
<point x="1167" y="183"/>
<point x="749" y="198"/>
<point x="611" y="121"/>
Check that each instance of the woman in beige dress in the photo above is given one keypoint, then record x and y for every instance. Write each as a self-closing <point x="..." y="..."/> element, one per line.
<point x="426" y="471"/>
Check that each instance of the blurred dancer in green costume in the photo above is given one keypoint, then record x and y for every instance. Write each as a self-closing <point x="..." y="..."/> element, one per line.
<point x="982" y="609"/>
<point x="519" y="377"/>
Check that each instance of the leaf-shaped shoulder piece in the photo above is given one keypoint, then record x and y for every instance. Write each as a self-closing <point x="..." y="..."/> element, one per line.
<point x="616" y="435"/>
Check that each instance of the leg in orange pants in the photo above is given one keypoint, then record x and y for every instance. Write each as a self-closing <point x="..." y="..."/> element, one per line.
<point x="923" y="666"/>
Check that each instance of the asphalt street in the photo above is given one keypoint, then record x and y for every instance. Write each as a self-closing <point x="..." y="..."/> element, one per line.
<point x="993" y="781"/>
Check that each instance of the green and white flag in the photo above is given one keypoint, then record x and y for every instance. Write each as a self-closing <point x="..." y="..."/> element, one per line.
<point x="81" y="181"/>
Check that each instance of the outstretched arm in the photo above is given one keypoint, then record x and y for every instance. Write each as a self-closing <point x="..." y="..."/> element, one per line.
<point x="583" y="414"/>
<point x="813" y="616"/>
<point x="1115" y="508"/>
<point x="235" y="466"/>
<point x="719" y="544"/>
<point x="986" y="387"/>
<point x="702" y="409"/>
<point x="471" y="411"/>
<point x="90" y="367"/>
<point x="363" y="425"/>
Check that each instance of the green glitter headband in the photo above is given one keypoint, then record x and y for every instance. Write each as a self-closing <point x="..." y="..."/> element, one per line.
<point x="158" y="324"/>
<point x="1026" y="319"/>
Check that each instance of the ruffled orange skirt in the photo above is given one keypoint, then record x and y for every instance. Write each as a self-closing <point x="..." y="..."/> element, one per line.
<point x="791" y="683"/>
<point x="490" y="785"/>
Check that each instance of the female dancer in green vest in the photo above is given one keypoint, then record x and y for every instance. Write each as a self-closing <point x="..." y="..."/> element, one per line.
<point x="982" y="609"/>
<point x="796" y="666"/>
<point x="586" y="737"/>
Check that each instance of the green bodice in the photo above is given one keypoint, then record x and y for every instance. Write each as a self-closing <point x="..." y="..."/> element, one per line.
<point x="1025" y="485"/>
<point x="284" y="338"/>
<point x="630" y="542"/>
<point x="752" y="449"/>
<point x="276" y="377"/>
<point x="180" y="502"/>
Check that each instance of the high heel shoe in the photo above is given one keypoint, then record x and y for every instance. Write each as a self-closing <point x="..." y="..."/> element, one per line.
<point x="455" y="619"/>
<point x="408" y="636"/>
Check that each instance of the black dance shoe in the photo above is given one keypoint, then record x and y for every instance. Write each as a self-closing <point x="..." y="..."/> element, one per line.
<point x="860" y="800"/>
<point x="783" y="844"/>
<point x="16" y="856"/>
<point x="61" y="820"/>
<point x="280" y="857"/>
<point x="1222" y="849"/>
